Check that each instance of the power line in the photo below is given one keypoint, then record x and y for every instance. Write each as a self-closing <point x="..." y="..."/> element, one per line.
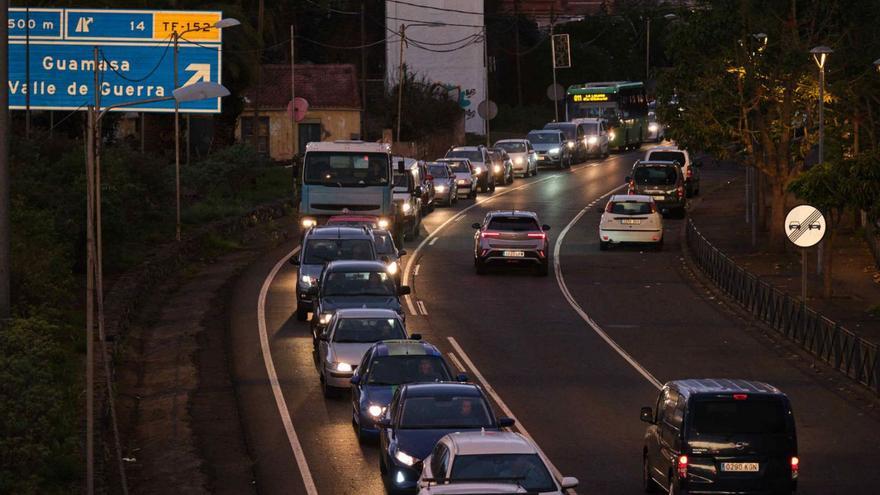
<point x="442" y="9"/>
<point x="152" y="71"/>
<point x="433" y="23"/>
<point x="331" y="9"/>
<point x="383" y="40"/>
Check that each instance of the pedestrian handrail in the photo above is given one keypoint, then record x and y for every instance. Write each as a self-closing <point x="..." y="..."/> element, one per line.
<point x="822" y="337"/>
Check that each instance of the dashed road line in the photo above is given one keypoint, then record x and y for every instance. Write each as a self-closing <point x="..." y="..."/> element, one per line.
<point x="457" y="362"/>
<point x="422" y="309"/>
<point x="433" y="241"/>
<point x="286" y="419"/>
<point x="416" y="271"/>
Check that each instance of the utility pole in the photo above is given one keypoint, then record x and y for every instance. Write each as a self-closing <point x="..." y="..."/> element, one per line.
<point x="518" y="68"/>
<point x="363" y="69"/>
<point x="27" y="72"/>
<point x="486" y="64"/>
<point x="5" y="234"/>
<point x="553" y="59"/>
<point x="294" y="134"/>
<point x="255" y="128"/>
<point x="400" y="76"/>
<point x="647" y="48"/>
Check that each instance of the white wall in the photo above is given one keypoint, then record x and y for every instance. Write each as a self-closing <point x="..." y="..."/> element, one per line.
<point x="462" y="68"/>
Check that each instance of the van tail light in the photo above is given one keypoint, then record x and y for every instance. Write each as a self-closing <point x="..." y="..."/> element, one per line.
<point x="490" y="234"/>
<point x="795" y="467"/>
<point x="537" y="235"/>
<point x="680" y="191"/>
<point x="682" y="466"/>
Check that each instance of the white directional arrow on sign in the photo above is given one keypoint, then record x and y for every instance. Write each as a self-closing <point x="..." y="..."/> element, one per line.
<point x="202" y="73"/>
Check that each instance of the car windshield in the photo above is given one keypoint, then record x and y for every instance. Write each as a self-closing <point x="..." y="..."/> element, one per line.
<point x="544" y="137"/>
<point x="346" y="169"/>
<point x="668" y="156"/>
<point x="567" y="129"/>
<point x="737" y="417"/>
<point x="512" y="147"/>
<point x="528" y="470"/>
<point x="401" y="181"/>
<point x="629" y="208"/>
<point x="445" y="412"/>
<point x="319" y="251"/>
<point x="656" y="176"/>
<point x="459" y="167"/>
<point x="397" y="370"/>
<point x="472" y="155"/>
<point x="513" y="224"/>
<point x="590" y="129"/>
<point x="383" y="242"/>
<point x="366" y="330"/>
<point x="358" y="284"/>
<point x="438" y="171"/>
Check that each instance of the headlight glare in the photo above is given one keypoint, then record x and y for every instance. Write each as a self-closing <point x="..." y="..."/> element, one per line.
<point x="554" y="151"/>
<point x="392" y="268"/>
<point x="478" y="170"/>
<point x="518" y="160"/>
<point x="405" y="458"/>
<point x="307" y="280"/>
<point x="653" y="127"/>
<point x="325" y="318"/>
<point x="440" y="189"/>
<point x="383" y="223"/>
<point x="344" y="367"/>
<point x="611" y="135"/>
<point x="592" y="140"/>
<point x="570" y="144"/>
<point x="497" y="168"/>
<point x="375" y="411"/>
<point x="308" y="223"/>
<point x="405" y="207"/>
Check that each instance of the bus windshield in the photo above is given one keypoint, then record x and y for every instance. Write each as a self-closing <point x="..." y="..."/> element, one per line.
<point x="346" y="169"/>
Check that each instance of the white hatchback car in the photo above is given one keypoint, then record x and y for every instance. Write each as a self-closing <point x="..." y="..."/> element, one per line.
<point x="490" y="457"/>
<point x="522" y="154"/>
<point x="631" y="218"/>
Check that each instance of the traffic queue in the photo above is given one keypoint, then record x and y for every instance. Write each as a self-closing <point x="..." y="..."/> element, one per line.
<point x="436" y="430"/>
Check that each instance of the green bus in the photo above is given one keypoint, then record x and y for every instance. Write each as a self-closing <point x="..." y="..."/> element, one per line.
<point x="622" y="103"/>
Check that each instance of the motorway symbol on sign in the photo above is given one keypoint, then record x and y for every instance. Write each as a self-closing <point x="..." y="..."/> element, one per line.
<point x="804" y="226"/>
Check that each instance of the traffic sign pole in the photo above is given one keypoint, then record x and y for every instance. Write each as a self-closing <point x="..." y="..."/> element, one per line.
<point x="5" y="243"/>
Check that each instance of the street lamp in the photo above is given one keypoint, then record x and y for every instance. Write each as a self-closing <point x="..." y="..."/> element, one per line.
<point x="175" y="36"/>
<point x="820" y="53"/>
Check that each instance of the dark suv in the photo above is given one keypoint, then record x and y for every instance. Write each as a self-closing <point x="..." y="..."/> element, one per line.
<point x="321" y="245"/>
<point x="662" y="181"/>
<point x="511" y="237"/>
<point x="720" y="436"/>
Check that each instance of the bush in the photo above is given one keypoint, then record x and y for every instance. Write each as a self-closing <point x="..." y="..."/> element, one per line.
<point x="38" y="408"/>
<point x="225" y="173"/>
<point x="523" y="119"/>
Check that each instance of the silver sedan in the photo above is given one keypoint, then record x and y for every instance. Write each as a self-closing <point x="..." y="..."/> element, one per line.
<point x="445" y="188"/>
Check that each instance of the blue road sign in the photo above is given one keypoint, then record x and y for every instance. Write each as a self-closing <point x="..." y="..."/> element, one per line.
<point x="62" y="75"/>
<point x="136" y="57"/>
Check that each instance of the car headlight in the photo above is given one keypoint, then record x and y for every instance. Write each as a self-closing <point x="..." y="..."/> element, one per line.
<point x="343" y="367"/>
<point x="518" y="160"/>
<point x="307" y="280"/>
<point x="462" y="181"/>
<point x="497" y="168"/>
<point x="392" y="268"/>
<point x="570" y="144"/>
<point x="375" y="411"/>
<point x="383" y="223"/>
<point x="611" y="135"/>
<point x="592" y="140"/>
<point x="324" y="319"/>
<point x="653" y="127"/>
<point x="478" y="170"/>
<point x="406" y="207"/>
<point x="308" y="223"/>
<point x="405" y="458"/>
<point x="554" y="151"/>
<point x="440" y="189"/>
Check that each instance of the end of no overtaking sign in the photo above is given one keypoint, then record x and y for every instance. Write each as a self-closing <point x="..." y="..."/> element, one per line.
<point x="805" y="226"/>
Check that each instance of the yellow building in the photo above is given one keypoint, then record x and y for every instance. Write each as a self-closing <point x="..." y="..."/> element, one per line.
<point x="334" y="112"/>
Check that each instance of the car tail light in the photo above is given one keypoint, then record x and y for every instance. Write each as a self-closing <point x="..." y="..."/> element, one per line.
<point x="795" y="467"/>
<point x="690" y="173"/>
<point x="653" y="207"/>
<point x="680" y="191"/>
<point x="541" y="253"/>
<point x="608" y="207"/>
<point x="740" y="396"/>
<point x="682" y="466"/>
<point x="490" y="234"/>
<point x="632" y="186"/>
<point x="537" y="235"/>
<point x="429" y="177"/>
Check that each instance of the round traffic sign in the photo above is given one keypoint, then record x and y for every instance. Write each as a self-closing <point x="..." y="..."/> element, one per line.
<point x="804" y="226"/>
<point x="299" y="109"/>
<point x="555" y="92"/>
<point x="492" y="109"/>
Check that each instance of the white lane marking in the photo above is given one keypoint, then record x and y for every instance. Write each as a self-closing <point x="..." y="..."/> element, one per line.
<point x="433" y="241"/>
<point x="286" y="420"/>
<point x="457" y="363"/>
<point x="560" y="280"/>
<point x="497" y="398"/>
<point x="416" y="271"/>
<point x="422" y="309"/>
<point x="458" y="218"/>
<point x="410" y="306"/>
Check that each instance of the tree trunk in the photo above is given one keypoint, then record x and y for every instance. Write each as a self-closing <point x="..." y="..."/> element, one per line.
<point x="828" y="256"/>
<point x="777" y="216"/>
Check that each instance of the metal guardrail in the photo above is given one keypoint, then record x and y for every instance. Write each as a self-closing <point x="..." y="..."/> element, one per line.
<point x="825" y="339"/>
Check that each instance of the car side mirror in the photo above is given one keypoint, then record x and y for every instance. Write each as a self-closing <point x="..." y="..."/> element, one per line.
<point x="415" y="336"/>
<point x="506" y="422"/>
<point x="404" y="290"/>
<point x="294" y="261"/>
<point x="402" y="252"/>
<point x="384" y="423"/>
<point x="569" y="482"/>
<point x="476" y="226"/>
<point x="545" y="227"/>
<point x="355" y="380"/>
<point x="462" y="377"/>
<point x="647" y="415"/>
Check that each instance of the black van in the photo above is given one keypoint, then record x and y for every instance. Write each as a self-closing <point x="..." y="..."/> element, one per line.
<point x="720" y="436"/>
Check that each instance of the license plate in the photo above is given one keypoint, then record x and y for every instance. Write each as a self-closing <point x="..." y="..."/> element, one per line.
<point x="630" y="221"/>
<point x="513" y="254"/>
<point x="659" y="198"/>
<point x="740" y="467"/>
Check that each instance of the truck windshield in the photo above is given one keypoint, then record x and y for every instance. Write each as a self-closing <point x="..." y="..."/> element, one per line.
<point x="346" y="169"/>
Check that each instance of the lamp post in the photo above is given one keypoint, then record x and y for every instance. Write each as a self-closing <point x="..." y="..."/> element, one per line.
<point x="175" y="36"/>
<point x="94" y="292"/>
<point x="820" y="54"/>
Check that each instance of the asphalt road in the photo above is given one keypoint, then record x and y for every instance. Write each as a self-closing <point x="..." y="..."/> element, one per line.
<point x="572" y="356"/>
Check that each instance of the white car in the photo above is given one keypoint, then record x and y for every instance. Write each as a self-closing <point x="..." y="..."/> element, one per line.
<point x="689" y="168"/>
<point x="472" y="488"/>
<point x="522" y="154"/>
<point x="346" y="338"/>
<point x="631" y="218"/>
<point x="490" y="457"/>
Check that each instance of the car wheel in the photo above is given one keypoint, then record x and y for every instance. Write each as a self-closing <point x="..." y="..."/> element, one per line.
<point x="302" y="314"/>
<point x="648" y="483"/>
<point x="603" y="245"/>
<point x="473" y="193"/>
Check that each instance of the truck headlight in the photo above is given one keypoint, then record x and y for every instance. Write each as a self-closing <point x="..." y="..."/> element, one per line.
<point x="570" y="144"/>
<point x="497" y="168"/>
<point x="592" y="140"/>
<point x="308" y="223"/>
<point x="405" y="207"/>
<point x="383" y="223"/>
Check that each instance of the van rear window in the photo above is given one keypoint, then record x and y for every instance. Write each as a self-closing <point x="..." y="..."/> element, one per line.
<point x="735" y="417"/>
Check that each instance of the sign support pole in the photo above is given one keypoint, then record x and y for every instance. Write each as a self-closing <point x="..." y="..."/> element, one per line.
<point x="5" y="244"/>
<point x="400" y="76"/>
<point x="294" y="128"/>
<point x="804" y="276"/>
<point x="176" y="141"/>
<point x="486" y="64"/>
<point x="553" y="54"/>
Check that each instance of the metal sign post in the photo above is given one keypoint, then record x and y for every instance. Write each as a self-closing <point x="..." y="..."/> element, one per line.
<point x="805" y="227"/>
<point x="561" y="60"/>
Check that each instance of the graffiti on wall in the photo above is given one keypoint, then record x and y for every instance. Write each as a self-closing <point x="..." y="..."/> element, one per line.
<point x="463" y="98"/>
